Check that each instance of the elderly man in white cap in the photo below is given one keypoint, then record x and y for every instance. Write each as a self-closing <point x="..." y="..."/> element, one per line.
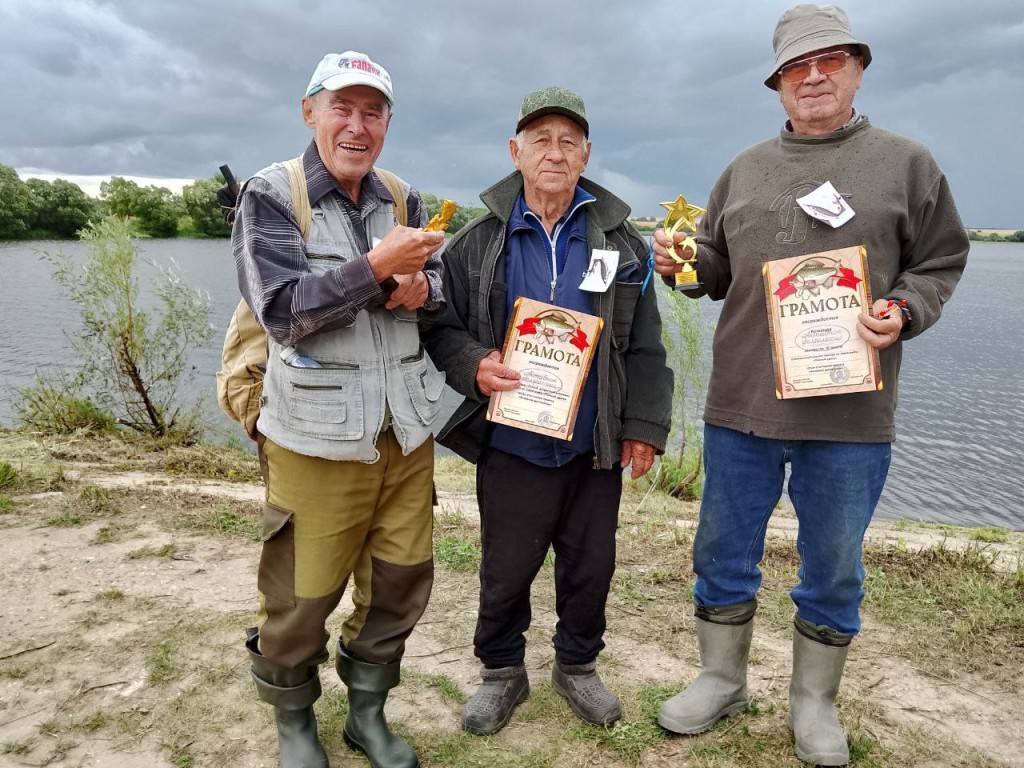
<point x="837" y="446"/>
<point x="348" y="402"/>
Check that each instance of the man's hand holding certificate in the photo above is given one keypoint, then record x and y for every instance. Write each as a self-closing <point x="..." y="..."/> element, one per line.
<point x="549" y="349"/>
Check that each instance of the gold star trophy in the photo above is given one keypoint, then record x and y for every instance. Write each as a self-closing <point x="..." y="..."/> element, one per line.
<point x="683" y="216"/>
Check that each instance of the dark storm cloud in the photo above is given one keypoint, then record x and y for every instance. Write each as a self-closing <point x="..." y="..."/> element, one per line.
<point x="673" y="90"/>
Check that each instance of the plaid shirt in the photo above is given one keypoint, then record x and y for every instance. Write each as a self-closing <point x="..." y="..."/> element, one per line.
<point x="289" y="300"/>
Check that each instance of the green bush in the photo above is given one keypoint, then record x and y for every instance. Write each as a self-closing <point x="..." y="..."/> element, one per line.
<point x="132" y="362"/>
<point x="51" y="405"/>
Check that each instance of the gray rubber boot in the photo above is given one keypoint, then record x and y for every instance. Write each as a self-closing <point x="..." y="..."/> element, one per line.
<point x="291" y="691"/>
<point x="819" y="655"/>
<point x="581" y="686"/>
<point x="720" y="690"/>
<point x="490" y="708"/>
<point x="366" y="729"/>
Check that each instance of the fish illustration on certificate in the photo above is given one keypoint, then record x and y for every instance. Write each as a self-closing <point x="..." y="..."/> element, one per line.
<point x="552" y="349"/>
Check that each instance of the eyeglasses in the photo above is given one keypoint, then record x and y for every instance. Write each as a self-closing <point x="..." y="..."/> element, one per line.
<point x="827" y="64"/>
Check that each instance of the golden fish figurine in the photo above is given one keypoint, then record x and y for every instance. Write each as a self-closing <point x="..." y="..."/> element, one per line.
<point x="683" y="216"/>
<point x="440" y="222"/>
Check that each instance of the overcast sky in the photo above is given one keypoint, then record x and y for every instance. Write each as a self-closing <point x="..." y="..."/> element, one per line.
<point x="171" y="90"/>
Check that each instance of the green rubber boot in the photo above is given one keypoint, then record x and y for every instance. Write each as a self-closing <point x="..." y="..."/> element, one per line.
<point x="720" y="690"/>
<point x="819" y="655"/>
<point x="366" y="729"/>
<point x="291" y="691"/>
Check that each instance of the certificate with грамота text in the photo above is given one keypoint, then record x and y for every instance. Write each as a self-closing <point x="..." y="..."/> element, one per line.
<point x="813" y="303"/>
<point x="552" y="349"/>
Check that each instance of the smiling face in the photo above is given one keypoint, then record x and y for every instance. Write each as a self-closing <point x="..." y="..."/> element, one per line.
<point x="551" y="153"/>
<point x="349" y="126"/>
<point x="820" y="103"/>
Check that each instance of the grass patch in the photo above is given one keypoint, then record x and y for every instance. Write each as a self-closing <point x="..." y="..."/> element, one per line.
<point x="226" y="518"/>
<point x="167" y="550"/>
<point x="179" y="756"/>
<point x="9" y="478"/>
<point x="107" y="535"/>
<point x="455" y="475"/>
<point x="16" y="748"/>
<point x="6" y="505"/>
<point x="13" y="673"/>
<point x="457" y="552"/>
<point x="160" y="663"/>
<point x="110" y="595"/>
<point x="96" y="501"/>
<point x="66" y="518"/>
<point x="954" y="610"/>
<point x="212" y="462"/>
<point x="990" y="535"/>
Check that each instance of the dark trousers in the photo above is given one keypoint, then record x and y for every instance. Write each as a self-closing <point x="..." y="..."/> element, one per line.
<point x="524" y="509"/>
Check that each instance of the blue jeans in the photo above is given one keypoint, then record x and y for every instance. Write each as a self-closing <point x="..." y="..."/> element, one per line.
<point x="834" y="488"/>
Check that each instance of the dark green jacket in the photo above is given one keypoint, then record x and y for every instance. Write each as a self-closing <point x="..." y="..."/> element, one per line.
<point x="634" y="382"/>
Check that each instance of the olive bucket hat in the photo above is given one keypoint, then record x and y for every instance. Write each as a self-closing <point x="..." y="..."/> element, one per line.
<point x="806" y="28"/>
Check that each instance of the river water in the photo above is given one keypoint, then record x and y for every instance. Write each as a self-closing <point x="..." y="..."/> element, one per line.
<point x="960" y="419"/>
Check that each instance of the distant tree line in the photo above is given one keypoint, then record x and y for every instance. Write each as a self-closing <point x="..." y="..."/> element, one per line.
<point x="38" y="210"/>
<point x="995" y="237"/>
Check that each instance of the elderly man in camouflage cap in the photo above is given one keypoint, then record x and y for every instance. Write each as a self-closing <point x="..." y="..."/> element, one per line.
<point x="837" y="445"/>
<point x="546" y="226"/>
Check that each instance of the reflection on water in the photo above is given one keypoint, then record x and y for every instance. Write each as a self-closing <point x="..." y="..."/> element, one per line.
<point x="960" y="420"/>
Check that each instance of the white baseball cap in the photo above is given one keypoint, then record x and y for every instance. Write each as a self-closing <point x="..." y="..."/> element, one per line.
<point x="340" y="70"/>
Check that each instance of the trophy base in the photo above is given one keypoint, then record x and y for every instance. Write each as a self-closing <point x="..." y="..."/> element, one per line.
<point x="684" y="287"/>
<point x="687" y="281"/>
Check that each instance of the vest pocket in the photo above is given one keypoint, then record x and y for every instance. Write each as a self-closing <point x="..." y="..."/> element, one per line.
<point x="324" y="402"/>
<point x="425" y="384"/>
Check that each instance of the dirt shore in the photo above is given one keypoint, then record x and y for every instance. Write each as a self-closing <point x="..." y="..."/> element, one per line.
<point x="128" y="588"/>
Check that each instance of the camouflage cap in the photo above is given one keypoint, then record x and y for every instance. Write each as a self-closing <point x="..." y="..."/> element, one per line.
<point x="553" y="101"/>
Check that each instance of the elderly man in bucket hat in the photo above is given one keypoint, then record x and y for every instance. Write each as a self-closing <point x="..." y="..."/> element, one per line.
<point x="348" y="402"/>
<point x="545" y="227"/>
<point x="837" y="446"/>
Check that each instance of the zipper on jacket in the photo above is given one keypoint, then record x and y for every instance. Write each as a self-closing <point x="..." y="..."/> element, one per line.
<point x="553" y="238"/>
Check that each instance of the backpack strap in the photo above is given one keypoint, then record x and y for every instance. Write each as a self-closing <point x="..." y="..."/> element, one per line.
<point x="300" y="194"/>
<point x="389" y="180"/>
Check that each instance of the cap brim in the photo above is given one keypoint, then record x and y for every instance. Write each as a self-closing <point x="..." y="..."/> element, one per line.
<point x="348" y="79"/>
<point x="543" y="111"/>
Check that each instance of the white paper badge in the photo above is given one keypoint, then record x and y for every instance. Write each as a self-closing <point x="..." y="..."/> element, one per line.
<point x="376" y="242"/>
<point x="825" y="204"/>
<point x="601" y="271"/>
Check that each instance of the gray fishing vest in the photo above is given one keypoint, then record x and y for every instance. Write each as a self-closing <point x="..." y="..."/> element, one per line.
<point x="374" y="368"/>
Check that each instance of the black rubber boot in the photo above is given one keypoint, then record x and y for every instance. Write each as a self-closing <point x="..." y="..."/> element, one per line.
<point x="581" y="686"/>
<point x="291" y="691"/>
<point x="490" y="708"/>
<point x="366" y="729"/>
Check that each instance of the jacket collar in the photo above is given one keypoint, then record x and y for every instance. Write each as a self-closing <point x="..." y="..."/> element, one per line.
<point x="607" y="211"/>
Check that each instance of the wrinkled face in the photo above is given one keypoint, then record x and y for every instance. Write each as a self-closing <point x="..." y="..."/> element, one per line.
<point x="349" y="126"/>
<point x="551" y="153"/>
<point x="821" y="103"/>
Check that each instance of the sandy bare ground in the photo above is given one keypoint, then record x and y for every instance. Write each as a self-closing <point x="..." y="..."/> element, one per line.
<point x="120" y="645"/>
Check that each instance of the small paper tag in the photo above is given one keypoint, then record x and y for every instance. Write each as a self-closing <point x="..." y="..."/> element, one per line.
<point x="825" y="204"/>
<point x="375" y="243"/>
<point x="601" y="271"/>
